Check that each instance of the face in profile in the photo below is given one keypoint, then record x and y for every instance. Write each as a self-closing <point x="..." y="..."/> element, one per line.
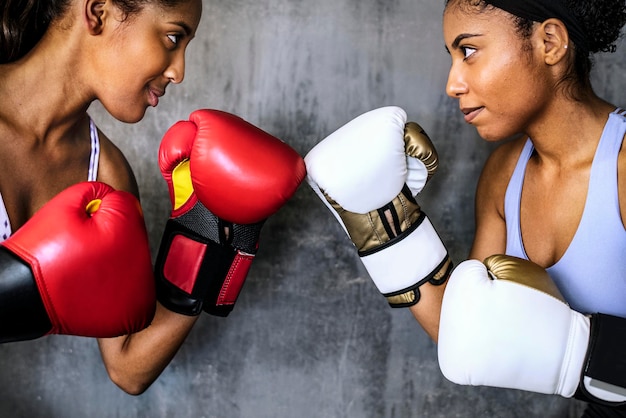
<point x="143" y="55"/>
<point x="500" y="85"/>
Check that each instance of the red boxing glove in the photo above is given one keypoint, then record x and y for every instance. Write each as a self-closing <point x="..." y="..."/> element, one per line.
<point x="225" y="177"/>
<point x="80" y="266"/>
<point x="240" y="172"/>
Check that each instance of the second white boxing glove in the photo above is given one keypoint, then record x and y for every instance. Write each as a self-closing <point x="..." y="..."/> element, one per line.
<point x="505" y="324"/>
<point x="368" y="174"/>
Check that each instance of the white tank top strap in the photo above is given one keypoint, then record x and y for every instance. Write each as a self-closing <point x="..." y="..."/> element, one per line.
<point x="5" y="225"/>
<point x="94" y="157"/>
<point x="92" y="175"/>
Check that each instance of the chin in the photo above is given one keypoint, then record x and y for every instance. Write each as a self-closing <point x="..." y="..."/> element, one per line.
<point x="493" y="136"/>
<point x="134" y="120"/>
<point x="128" y="117"/>
<point x="125" y="112"/>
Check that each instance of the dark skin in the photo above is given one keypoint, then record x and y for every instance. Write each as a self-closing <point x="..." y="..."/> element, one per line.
<point x="47" y="167"/>
<point x="509" y="87"/>
<point x="93" y="53"/>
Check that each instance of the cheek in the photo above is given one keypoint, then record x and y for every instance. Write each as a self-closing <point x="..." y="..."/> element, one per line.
<point x="505" y="75"/>
<point x="139" y="57"/>
<point x="125" y="97"/>
<point x="118" y="72"/>
<point x="506" y="86"/>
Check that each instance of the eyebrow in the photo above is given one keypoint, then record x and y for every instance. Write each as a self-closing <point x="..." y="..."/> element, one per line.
<point x="461" y="37"/>
<point x="183" y="25"/>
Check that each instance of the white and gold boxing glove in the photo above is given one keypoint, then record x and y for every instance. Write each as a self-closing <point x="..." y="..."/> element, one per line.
<point x="368" y="173"/>
<point x="505" y="324"/>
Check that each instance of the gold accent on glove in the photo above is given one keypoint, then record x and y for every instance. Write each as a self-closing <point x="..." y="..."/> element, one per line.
<point x="524" y="272"/>
<point x="407" y="298"/>
<point x="377" y="227"/>
<point x="418" y="145"/>
<point x="412" y="296"/>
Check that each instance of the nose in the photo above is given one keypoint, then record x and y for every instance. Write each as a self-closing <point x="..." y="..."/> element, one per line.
<point x="456" y="85"/>
<point x="175" y="72"/>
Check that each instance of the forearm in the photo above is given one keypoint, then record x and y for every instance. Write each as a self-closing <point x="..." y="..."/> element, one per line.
<point x="135" y="361"/>
<point x="211" y="237"/>
<point x="427" y="311"/>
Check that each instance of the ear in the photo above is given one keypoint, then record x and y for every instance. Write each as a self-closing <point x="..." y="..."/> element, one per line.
<point x="555" y="40"/>
<point x="94" y="11"/>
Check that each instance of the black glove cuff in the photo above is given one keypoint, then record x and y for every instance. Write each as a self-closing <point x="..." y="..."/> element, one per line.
<point x="23" y="315"/>
<point x="218" y="243"/>
<point x="605" y="365"/>
<point x="210" y="276"/>
<point x="176" y="300"/>
<point x="168" y="294"/>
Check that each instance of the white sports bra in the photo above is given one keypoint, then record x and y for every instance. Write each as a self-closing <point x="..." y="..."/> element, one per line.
<point x="92" y="175"/>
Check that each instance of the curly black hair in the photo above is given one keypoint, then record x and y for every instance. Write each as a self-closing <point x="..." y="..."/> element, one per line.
<point x="601" y="20"/>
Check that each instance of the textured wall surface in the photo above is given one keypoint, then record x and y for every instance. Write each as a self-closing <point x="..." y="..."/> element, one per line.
<point x="310" y="335"/>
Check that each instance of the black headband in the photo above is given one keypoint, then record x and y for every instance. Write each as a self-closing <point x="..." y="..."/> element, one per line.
<point x="541" y="10"/>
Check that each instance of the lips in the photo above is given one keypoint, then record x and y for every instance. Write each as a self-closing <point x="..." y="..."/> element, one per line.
<point x="471" y="113"/>
<point x="153" y="96"/>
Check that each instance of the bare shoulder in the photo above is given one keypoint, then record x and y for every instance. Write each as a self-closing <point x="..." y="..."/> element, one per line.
<point x="499" y="168"/>
<point x="114" y="169"/>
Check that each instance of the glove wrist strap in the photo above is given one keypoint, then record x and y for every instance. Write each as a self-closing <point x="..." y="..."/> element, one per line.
<point x="411" y="295"/>
<point x="195" y="273"/>
<point x="603" y="378"/>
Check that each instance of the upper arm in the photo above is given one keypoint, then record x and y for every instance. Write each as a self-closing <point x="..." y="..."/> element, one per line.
<point x="490" y="235"/>
<point x="621" y="178"/>
<point x="135" y="361"/>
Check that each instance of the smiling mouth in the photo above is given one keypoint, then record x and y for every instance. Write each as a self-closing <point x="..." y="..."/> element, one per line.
<point x="471" y="113"/>
<point x="154" y="96"/>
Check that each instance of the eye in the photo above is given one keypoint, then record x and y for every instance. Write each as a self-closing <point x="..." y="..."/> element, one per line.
<point x="174" y="38"/>
<point x="467" y="51"/>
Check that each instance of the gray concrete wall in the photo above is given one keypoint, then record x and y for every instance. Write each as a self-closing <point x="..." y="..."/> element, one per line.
<point x="310" y="335"/>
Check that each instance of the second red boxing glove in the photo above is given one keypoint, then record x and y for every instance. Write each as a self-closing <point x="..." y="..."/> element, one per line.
<point x="225" y="178"/>
<point x="80" y="266"/>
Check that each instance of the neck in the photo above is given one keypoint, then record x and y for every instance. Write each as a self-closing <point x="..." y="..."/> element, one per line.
<point x="40" y="95"/>
<point x="567" y="132"/>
